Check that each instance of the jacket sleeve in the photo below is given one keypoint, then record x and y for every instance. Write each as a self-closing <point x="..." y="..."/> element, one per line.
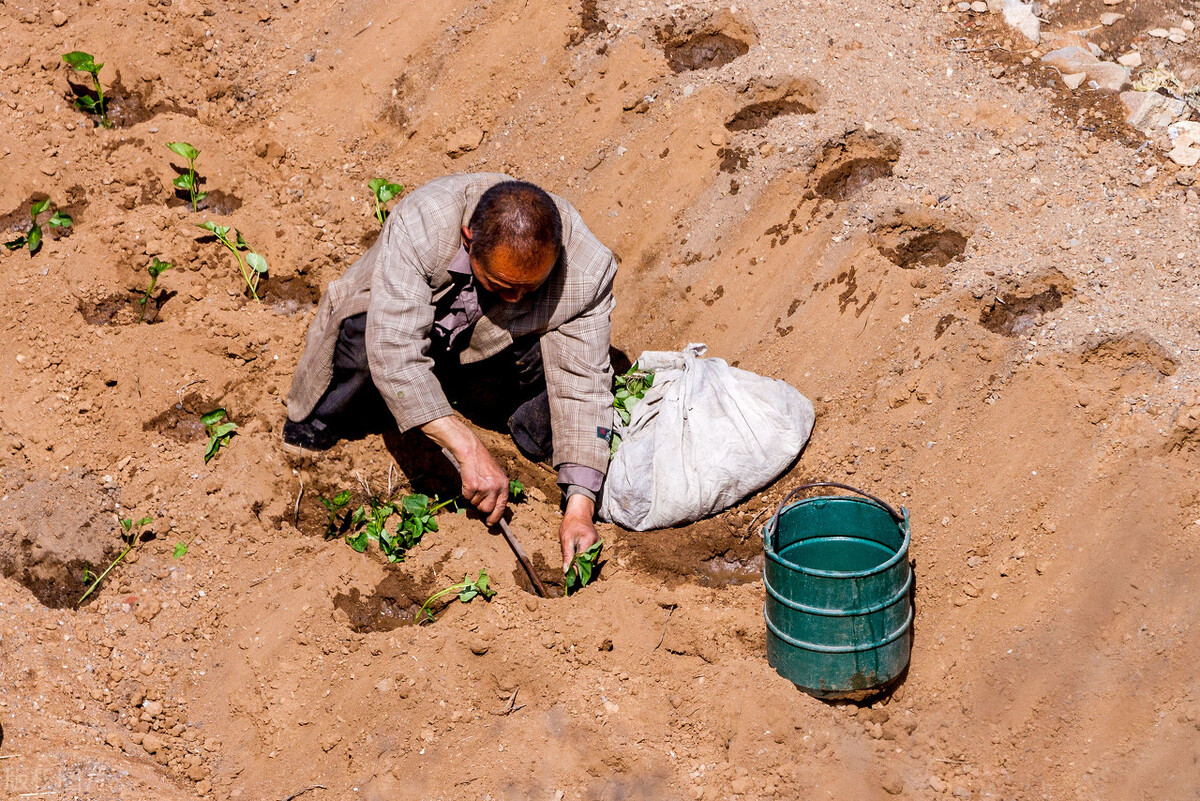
<point x="398" y="322"/>
<point x="579" y="381"/>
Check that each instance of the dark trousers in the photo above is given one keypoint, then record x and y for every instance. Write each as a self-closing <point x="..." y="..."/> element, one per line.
<point x="506" y="391"/>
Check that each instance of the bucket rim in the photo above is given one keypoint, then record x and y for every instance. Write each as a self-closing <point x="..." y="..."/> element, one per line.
<point x="771" y="529"/>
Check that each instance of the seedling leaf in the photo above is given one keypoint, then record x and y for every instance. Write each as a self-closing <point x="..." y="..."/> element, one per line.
<point x="34" y="239"/>
<point x="184" y="149"/>
<point x="180" y="551"/>
<point x="219" y="433"/>
<point x="256" y="262"/>
<point x="60" y="220"/>
<point x="40" y="206"/>
<point x="516" y="491"/>
<point x="79" y="60"/>
<point x="582" y="567"/>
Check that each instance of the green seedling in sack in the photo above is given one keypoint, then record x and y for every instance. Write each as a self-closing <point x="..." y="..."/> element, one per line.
<point x="628" y="389"/>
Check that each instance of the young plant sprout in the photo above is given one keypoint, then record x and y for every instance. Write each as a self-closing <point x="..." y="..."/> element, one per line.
<point x="628" y="389"/>
<point x="516" y="491"/>
<point x="253" y="266"/>
<point x="467" y="590"/>
<point x="83" y="62"/>
<point x="383" y="190"/>
<point x="157" y="267"/>
<point x="133" y="531"/>
<point x="32" y="238"/>
<point x="219" y="433"/>
<point x="188" y="182"/>
<point x="582" y="567"/>
<point x="368" y="522"/>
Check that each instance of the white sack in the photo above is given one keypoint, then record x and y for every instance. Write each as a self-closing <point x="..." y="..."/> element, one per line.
<point x="705" y="436"/>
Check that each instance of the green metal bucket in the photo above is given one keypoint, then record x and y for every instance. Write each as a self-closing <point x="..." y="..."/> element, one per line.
<point x="838" y="610"/>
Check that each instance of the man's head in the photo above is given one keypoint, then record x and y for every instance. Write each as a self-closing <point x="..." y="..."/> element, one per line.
<point x="514" y="239"/>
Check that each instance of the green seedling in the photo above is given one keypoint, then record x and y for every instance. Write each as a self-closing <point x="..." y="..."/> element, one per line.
<point x="467" y="590"/>
<point x="133" y="531"/>
<point x="383" y="190"/>
<point x="188" y="182"/>
<point x="253" y="266"/>
<point x="516" y="491"/>
<point x="83" y="62"/>
<point x="32" y="238"/>
<point x="334" y="506"/>
<point x="582" y="568"/>
<point x="180" y="551"/>
<point x="157" y="267"/>
<point x="368" y="523"/>
<point x="628" y="389"/>
<point x="219" y="433"/>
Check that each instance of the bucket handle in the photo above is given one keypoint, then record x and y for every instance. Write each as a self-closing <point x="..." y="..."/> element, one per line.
<point x="773" y="524"/>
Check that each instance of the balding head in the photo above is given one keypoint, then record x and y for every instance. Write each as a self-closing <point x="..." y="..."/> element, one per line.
<point x="514" y="239"/>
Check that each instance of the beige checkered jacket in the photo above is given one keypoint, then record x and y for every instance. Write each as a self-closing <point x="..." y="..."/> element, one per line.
<point x="398" y="280"/>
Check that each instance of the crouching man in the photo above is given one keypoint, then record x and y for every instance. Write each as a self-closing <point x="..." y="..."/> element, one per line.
<point x="488" y="293"/>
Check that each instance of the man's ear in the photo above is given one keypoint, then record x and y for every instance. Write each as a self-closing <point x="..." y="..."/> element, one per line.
<point x="466" y="235"/>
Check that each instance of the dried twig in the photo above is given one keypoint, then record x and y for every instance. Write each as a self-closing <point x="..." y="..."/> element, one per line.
<point x="670" y="611"/>
<point x="296" y="511"/>
<point x="510" y="707"/>
<point x="299" y="793"/>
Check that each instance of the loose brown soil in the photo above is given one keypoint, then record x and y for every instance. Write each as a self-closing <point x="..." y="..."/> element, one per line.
<point x="984" y="282"/>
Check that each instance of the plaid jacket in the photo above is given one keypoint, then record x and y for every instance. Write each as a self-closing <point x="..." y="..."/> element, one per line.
<point x="398" y="280"/>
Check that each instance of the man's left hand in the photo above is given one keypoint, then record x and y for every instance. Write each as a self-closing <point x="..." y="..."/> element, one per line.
<point x="578" y="532"/>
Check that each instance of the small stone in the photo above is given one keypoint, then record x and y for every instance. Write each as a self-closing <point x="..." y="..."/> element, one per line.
<point x="1185" y="178"/>
<point x="464" y="141"/>
<point x="1075" y="80"/>
<point x="479" y="647"/>
<point x="997" y="71"/>
<point x="766" y="149"/>
<point x="153" y="708"/>
<point x="1187" y="25"/>
<point x="1158" y="33"/>
<point x="1131" y="59"/>
<point x="48" y="169"/>
<point x="974" y="561"/>
<point x="979" y="7"/>
<point x="152" y="743"/>
<point x="1110" y="17"/>
<point x="1185" y="156"/>
<point x="718" y="139"/>
<point x="1177" y="38"/>
<point x="58" y="18"/>
<point x="892" y="785"/>
<point x="937" y="785"/>
<point x="964" y="7"/>
<point x="113" y="739"/>
<point x="383" y="685"/>
<point x="1042" y="565"/>
<point x="961" y="792"/>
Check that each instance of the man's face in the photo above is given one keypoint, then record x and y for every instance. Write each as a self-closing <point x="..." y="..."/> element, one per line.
<point x="508" y="275"/>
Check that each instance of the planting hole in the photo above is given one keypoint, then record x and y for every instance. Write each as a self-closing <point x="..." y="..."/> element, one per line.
<point x="552" y="577"/>
<point x="289" y="296"/>
<point x="122" y="308"/>
<point x="927" y="249"/>
<point x="394" y="602"/>
<point x="181" y="421"/>
<point x="1012" y="315"/>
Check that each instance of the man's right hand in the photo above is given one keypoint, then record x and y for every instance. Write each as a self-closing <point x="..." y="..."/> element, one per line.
<point x="484" y="484"/>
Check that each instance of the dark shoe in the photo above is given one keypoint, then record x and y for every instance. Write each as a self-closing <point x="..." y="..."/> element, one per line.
<point x="314" y="436"/>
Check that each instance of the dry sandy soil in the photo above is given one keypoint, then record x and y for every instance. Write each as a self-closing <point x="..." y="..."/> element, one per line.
<point x="987" y="284"/>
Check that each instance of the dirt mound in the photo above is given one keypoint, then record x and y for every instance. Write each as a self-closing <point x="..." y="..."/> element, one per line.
<point x="793" y="97"/>
<point x="55" y="533"/>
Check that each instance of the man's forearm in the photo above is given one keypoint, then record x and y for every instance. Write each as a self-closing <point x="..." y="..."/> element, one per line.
<point x="452" y="434"/>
